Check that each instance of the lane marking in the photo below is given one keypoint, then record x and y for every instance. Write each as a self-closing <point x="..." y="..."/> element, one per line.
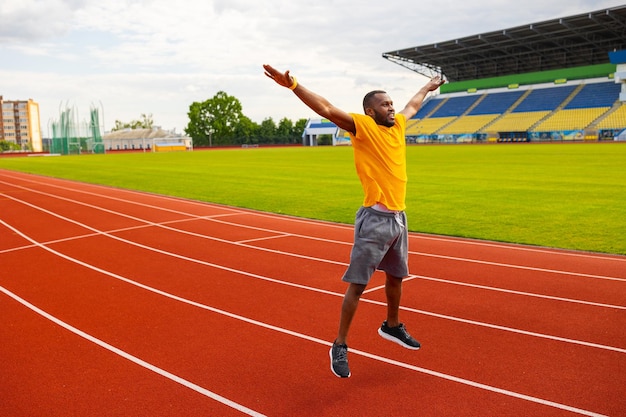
<point x="147" y="223"/>
<point x="416" y="235"/>
<point x="290" y="284"/>
<point x="485" y="287"/>
<point x="133" y="358"/>
<point x="243" y="409"/>
<point x="529" y="268"/>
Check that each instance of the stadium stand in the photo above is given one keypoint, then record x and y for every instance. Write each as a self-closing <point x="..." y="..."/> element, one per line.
<point x="533" y="109"/>
<point x="545" y="99"/>
<point x="614" y="120"/>
<point x="455" y="106"/>
<point x="562" y="79"/>
<point x="315" y="129"/>
<point x="496" y="103"/>
<point x="595" y="95"/>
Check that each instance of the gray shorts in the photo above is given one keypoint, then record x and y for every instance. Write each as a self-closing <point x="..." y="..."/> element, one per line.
<point x="380" y="242"/>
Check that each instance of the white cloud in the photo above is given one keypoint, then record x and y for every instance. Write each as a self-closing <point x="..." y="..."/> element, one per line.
<point x="158" y="56"/>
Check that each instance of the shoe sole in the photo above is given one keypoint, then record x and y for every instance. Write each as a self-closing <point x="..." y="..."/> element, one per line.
<point x="330" y="353"/>
<point x="396" y="340"/>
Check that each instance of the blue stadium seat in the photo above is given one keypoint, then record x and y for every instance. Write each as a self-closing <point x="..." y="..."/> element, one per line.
<point x="429" y="106"/>
<point x="545" y="99"/>
<point x="455" y="106"/>
<point x="595" y="95"/>
<point x="496" y="103"/>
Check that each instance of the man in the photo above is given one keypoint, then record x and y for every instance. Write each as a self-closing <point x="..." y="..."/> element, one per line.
<point x="380" y="237"/>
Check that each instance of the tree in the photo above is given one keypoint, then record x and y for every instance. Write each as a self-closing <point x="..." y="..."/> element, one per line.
<point x="215" y="120"/>
<point x="284" y="132"/>
<point x="5" y="145"/>
<point x="267" y="131"/>
<point x="145" y="122"/>
<point x="325" y="139"/>
<point x="298" y="130"/>
<point x="220" y="121"/>
<point x="246" y="132"/>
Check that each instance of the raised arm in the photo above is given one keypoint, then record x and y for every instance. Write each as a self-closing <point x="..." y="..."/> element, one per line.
<point x="316" y="102"/>
<point x="415" y="102"/>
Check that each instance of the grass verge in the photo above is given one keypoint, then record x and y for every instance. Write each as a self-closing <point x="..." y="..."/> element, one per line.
<point x="560" y="195"/>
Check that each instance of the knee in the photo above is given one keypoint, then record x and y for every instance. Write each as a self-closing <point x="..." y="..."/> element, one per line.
<point x="393" y="282"/>
<point x="356" y="290"/>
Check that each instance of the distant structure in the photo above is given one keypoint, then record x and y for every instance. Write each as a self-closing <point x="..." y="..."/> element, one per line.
<point x="149" y="139"/>
<point x="20" y="124"/>
<point x="70" y="135"/>
<point x="317" y="127"/>
<point x="562" y="79"/>
<point x="619" y="59"/>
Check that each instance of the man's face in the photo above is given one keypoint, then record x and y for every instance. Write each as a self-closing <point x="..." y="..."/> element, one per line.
<point x="381" y="110"/>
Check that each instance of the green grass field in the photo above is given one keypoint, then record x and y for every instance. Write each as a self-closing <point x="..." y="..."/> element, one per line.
<point x="558" y="195"/>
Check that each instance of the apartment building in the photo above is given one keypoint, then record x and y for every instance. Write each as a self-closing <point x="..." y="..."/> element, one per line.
<point x="20" y="124"/>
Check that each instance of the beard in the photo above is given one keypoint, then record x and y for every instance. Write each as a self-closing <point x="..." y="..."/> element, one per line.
<point x="387" y="119"/>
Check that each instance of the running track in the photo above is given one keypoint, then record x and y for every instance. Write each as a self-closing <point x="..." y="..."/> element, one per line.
<point x="119" y="303"/>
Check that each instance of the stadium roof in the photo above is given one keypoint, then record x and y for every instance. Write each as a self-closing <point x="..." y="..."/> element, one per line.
<point x="567" y="42"/>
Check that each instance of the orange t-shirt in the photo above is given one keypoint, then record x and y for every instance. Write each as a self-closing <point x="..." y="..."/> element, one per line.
<point x="380" y="159"/>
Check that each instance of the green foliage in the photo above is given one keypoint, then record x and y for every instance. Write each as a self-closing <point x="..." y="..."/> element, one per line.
<point x="245" y="132"/>
<point x="8" y="146"/>
<point x="146" y="122"/>
<point x="325" y="140"/>
<point x="220" y="121"/>
<point x="214" y="121"/>
<point x="560" y="195"/>
<point x="298" y="129"/>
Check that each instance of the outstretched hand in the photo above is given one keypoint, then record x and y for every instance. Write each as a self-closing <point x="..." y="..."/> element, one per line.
<point x="435" y="83"/>
<point x="285" y="79"/>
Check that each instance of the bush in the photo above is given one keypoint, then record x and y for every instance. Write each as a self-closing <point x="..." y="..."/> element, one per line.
<point x="8" y="146"/>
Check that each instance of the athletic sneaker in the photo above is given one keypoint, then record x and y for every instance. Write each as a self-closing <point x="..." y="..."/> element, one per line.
<point x="339" y="360"/>
<point x="398" y="335"/>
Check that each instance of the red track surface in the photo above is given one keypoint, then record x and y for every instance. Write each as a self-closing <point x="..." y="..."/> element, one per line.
<point x="129" y="304"/>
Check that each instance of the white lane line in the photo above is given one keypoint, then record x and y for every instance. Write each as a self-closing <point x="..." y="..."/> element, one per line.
<point x="289" y="284"/>
<point x="485" y="287"/>
<point x="479" y="385"/>
<point x="244" y="243"/>
<point x="293" y="219"/>
<point x="512" y="266"/>
<point x="243" y="409"/>
<point x="133" y="358"/>
<point x="520" y="247"/>
<point x="503" y="265"/>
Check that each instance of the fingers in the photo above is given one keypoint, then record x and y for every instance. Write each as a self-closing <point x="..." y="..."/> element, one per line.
<point x="278" y="77"/>
<point x="269" y="71"/>
<point x="437" y="80"/>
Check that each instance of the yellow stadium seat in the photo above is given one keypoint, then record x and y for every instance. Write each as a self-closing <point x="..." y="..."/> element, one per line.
<point x="615" y="120"/>
<point x="467" y="124"/>
<point x="516" y="122"/>
<point x="428" y="126"/>
<point x="573" y="119"/>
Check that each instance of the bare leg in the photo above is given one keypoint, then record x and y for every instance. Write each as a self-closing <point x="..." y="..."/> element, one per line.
<point x="348" y="309"/>
<point x="393" y="291"/>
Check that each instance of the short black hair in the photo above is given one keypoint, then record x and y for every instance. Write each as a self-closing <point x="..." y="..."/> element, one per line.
<point x="368" y="98"/>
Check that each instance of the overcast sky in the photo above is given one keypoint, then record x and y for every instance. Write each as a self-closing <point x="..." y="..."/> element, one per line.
<point x="158" y="56"/>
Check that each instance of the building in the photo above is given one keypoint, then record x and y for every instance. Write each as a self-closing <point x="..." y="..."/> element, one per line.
<point x="317" y="127"/>
<point x="556" y="80"/>
<point x="20" y="124"/>
<point x="149" y="139"/>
